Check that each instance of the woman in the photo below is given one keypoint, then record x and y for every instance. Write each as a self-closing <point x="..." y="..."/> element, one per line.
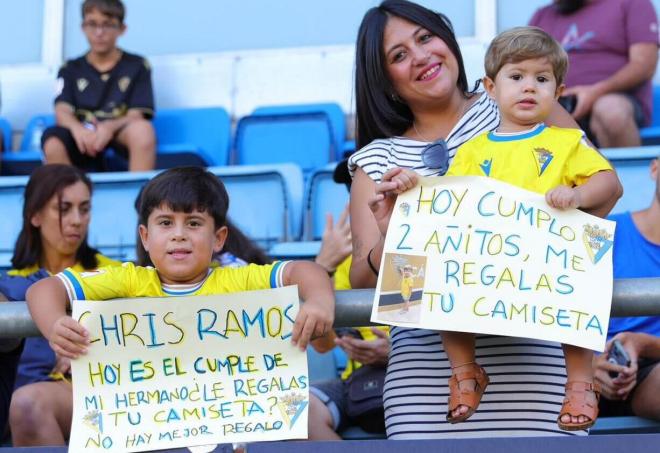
<point x="56" y="216"/>
<point x="414" y="109"/>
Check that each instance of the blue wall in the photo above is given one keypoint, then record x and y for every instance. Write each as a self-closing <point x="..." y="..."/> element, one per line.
<point x="161" y="27"/>
<point x="21" y="24"/>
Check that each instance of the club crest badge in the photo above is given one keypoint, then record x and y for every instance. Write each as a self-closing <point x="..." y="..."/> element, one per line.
<point x="404" y="208"/>
<point x="94" y="420"/>
<point x="82" y="84"/>
<point x="597" y="242"/>
<point x="123" y="83"/>
<point x="542" y="157"/>
<point x="291" y="406"/>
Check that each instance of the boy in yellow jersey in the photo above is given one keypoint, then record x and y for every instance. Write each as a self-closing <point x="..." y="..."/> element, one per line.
<point x="182" y="218"/>
<point x="525" y="69"/>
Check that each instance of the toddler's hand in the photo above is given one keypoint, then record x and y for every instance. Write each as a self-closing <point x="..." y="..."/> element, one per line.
<point x="563" y="197"/>
<point x="314" y="319"/>
<point x="68" y="338"/>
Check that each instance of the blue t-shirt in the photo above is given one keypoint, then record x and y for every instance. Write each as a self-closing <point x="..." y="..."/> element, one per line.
<point x="634" y="257"/>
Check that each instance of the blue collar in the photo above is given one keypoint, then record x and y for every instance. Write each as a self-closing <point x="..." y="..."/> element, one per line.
<point x="536" y="130"/>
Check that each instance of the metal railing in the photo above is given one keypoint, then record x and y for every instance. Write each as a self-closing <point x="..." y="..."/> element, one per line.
<point x="631" y="297"/>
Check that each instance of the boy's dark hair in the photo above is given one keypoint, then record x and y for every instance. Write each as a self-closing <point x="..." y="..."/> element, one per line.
<point x="525" y="43"/>
<point x="46" y="182"/>
<point x="185" y="189"/>
<point x="112" y="8"/>
<point x="379" y="111"/>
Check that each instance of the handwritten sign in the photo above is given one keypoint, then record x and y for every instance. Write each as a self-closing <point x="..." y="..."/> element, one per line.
<point x="184" y="371"/>
<point x="474" y="254"/>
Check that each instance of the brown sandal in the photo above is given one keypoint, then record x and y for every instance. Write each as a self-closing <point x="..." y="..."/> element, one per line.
<point x="575" y="404"/>
<point x="469" y="398"/>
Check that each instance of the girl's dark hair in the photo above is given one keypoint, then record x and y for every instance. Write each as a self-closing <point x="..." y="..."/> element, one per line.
<point x="46" y="182"/>
<point x="379" y="112"/>
<point x="237" y="243"/>
<point x="185" y="189"/>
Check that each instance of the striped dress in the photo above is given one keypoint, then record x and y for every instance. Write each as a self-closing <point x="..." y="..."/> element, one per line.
<point x="527" y="376"/>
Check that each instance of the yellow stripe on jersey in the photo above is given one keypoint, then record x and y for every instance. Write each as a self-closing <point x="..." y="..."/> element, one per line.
<point x="537" y="160"/>
<point x="129" y="280"/>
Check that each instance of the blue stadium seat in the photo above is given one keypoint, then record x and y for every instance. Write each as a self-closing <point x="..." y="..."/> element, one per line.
<point x="303" y="138"/>
<point x="265" y="200"/>
<point x="321" y="366"/>
<point x="651" y="135"/>
<point x="11" y="200"/>
<point x="632" y="166"/>
<point x="323" y="196"/>
<point x="5" y="133"/>
<point x="333" y="110"/>
<point x="29" y="155"/>
<point x="114" y="220"/>
<point x="196" y="136"/>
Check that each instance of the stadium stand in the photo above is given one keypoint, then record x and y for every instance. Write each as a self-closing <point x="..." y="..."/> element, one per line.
<point x="650" y="135"/>
<point x="28" y="156"/>
<point x="196" y="136"/>
<point x="304" y="138"/>
<point x="333" y="110"/>
<point x="323" y="195"/>
<point x="5" y="131"/>
<point x="11" y="200"/>
<point x="632" y="166"/>
<point x="265" y="200"/>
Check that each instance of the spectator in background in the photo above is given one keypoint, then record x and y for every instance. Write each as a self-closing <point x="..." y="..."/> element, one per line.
<point x="612" y="47"/>
<point x="56" y="216"/>
<point x="104" y="98"/>
<point x="634" y="389"/>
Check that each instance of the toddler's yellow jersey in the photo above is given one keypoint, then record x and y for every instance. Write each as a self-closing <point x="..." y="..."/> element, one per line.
<point x="406" y="286"/>
<point x="537" y="160"/>
<point x="129" y="280"/>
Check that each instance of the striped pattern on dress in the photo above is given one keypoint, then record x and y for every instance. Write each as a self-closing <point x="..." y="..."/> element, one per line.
<point x="527" y="376"/>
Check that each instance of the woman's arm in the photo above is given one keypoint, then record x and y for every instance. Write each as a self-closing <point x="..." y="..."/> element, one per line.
<point x="364" y="232"/>
<point x="372" y="206"/>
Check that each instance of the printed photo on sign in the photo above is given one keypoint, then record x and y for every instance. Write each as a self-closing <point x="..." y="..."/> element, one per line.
<point x="403" y="281"/>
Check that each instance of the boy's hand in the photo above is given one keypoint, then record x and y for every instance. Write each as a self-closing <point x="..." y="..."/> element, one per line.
<point x="68" y="338"/>
<point x="563" y="197"/>
<point x="103" y="136"/>
<point x="314" y="319"/>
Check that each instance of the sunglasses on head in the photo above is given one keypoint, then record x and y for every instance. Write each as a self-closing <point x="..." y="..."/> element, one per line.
<point x="436" y="155"/>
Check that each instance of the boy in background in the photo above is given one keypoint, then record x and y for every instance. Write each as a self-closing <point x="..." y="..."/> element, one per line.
<point x="104" y="99"/>
<point x="525" y="70"/>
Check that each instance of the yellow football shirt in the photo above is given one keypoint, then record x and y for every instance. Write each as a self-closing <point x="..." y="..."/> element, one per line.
<point x="538" y="160"/>
<point x="129" y="280"/>
<point x="406" y="287"/>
